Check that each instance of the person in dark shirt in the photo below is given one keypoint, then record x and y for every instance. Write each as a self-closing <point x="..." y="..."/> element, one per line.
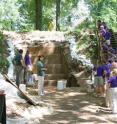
<point x="41" y="74"/>
<point x="99" y="24"/>
<point x="19" y="67"/>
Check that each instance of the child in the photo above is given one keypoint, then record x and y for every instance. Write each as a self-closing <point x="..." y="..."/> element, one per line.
<point x="113" y="89"/>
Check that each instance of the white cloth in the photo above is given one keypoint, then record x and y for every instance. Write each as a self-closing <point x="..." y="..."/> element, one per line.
<point x="108" y="42"/>
<point x="114" y="99"/>
<point x="40" y="85"/>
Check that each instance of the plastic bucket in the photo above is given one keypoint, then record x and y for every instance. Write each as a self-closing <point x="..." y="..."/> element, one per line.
<point x="89" y="83"/>
<point x="30" y="81"/>
<point x="61" y="84"/>
<point x="16" y="120"/>
<point x="22" y="87"/>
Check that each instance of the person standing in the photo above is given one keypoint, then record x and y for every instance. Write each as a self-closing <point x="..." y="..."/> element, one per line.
<point x="113" y="87"/>
<point x="28" y="66"/>
<point x="19" y="67"/>
<point x="107" y="73"/>
<point x="99" y="80"/>
<point x="2" y="108"/>
<point x="41" y="74"/>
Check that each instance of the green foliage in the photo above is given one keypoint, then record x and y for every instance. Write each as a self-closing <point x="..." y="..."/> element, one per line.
<point x="3" y="60"/>
<point x="27" y="12"/>
<point x="87" y="45"/>
<point x="21" y="16"/>
<point x="3" y="64"/>
<point x="8" y="14"/>
<point x="105" y="10"/>
<point x="1" y="43"/>
<point x="14" y="15"/>
<point x="49" y="15"/>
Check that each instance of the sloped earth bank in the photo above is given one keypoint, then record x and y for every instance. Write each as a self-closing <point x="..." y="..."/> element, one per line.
<point x="72" y="106"/>
<point x="17" y="108"/>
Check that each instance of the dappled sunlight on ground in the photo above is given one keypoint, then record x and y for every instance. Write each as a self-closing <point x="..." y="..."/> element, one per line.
<point x="72" y="106"/>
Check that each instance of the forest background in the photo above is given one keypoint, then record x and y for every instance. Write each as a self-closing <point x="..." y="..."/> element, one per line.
<point x="26" y="15"/>
<point x="62" y="15"/>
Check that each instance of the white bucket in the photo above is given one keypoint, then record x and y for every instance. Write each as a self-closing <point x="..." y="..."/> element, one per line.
<point x="30" y="81"/>
<point x="16" y="120"/>
<point x="89" y="83"/>
<point x="61" y="84"/>
<point x="22" y="87"/>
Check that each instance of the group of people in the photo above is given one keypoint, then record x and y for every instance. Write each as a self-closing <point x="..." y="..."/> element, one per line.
<point x="105" y="72"/>
<point x="24" y="70"/>
<point x="106" y="37"/>
<point x="105" y="83"/>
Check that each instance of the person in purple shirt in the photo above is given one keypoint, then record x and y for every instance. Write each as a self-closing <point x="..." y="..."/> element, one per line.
<point x="27" y="59"/>
<point x="107" y="37"/>
<point x="107" y="69"/>
<point x="113" y="51"/>
<point x="28" y="66"/>
<point x="99" y="80"/>
<point x="105" y="25"/>
<point x="100" y="70"/>
<point x="112" y="82"/>
<point x="105" y="47"/>
<point x="102" y="30"/>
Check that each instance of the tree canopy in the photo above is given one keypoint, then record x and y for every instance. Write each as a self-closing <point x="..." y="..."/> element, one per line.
<point x="19" y="15"/>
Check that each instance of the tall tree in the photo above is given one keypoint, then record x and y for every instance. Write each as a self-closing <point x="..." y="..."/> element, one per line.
<point x="38" y="14"/>
<point x="58" y="2"/>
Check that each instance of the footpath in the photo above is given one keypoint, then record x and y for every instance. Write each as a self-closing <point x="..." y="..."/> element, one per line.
<point x="75" y="106"/>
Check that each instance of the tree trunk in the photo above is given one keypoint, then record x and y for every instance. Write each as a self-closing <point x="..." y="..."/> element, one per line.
<point x="58" y="15"/>
<point x="38" y="14"/>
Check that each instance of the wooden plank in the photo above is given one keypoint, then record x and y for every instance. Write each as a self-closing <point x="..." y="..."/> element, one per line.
<point x="29" y="100"/>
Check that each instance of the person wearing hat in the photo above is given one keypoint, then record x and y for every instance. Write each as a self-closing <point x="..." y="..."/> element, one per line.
<point x="112" y="82"/>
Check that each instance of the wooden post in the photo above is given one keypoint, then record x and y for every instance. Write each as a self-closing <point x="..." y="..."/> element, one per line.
<point x="58" y="15"/>
<point x="38" y="14"/>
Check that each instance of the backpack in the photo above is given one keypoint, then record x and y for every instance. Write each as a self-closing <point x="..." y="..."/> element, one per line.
<point x="17" y="60"/>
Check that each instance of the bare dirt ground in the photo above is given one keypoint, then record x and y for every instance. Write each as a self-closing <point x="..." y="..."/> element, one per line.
<point x="73" y="106"/>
